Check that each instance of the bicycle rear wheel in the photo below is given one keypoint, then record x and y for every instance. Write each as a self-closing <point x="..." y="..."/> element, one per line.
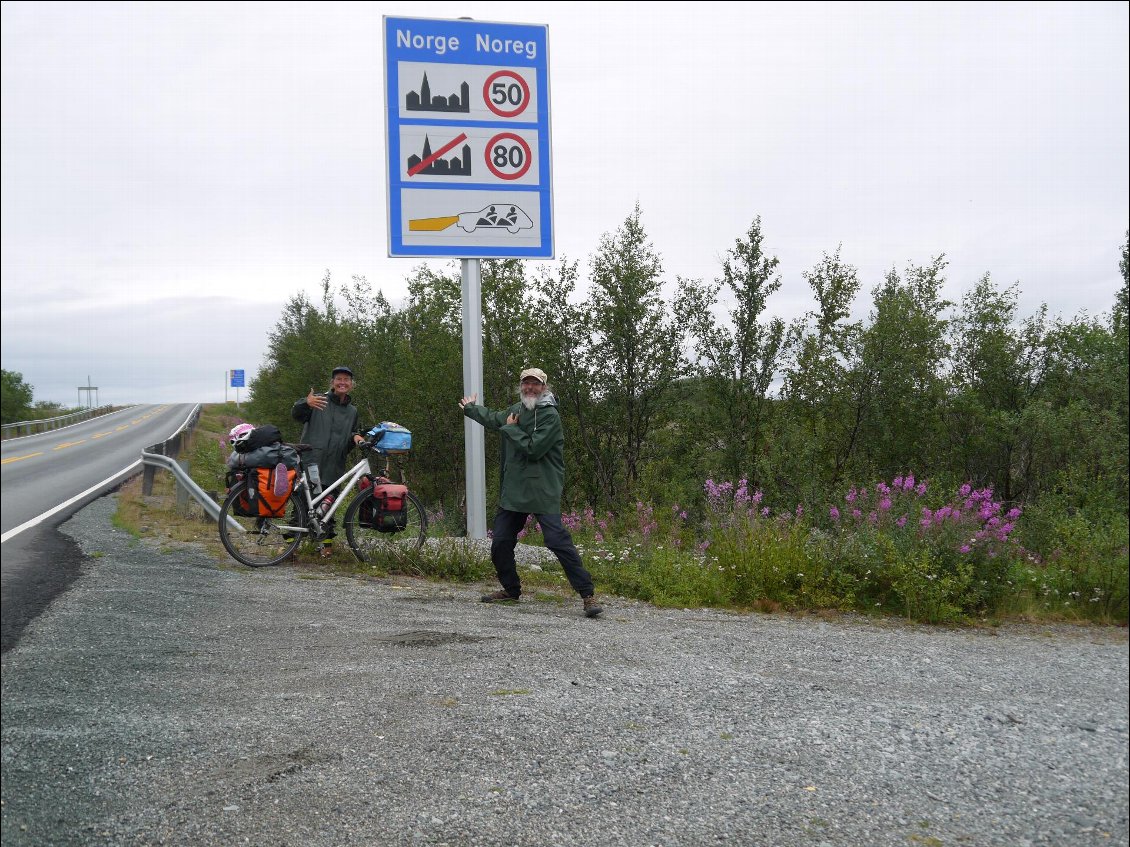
<point x="259" y="542"/>
<point x="368" y="542"/>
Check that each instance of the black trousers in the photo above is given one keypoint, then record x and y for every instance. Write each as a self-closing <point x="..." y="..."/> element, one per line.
<point x="508" y="524"/>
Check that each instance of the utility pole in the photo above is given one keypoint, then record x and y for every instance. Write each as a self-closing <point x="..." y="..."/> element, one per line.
<point x="88" y="388"/>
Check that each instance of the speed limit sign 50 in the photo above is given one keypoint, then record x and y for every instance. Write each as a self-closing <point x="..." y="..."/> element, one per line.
<point x="506" y="93"/>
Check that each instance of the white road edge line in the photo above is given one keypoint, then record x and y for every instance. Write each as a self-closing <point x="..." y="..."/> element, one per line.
<point x="12" y="533"/>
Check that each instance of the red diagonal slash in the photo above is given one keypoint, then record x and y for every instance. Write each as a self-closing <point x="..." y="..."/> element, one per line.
<point x="437" y="154"/>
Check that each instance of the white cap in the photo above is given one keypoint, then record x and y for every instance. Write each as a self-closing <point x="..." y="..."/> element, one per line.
<point x="536" y="373"/>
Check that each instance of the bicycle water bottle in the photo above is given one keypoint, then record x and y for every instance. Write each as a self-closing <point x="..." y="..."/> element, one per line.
<point x="324" y="506"/>
<point x="282" y="481"/>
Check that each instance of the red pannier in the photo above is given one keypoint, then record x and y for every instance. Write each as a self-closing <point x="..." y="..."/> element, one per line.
<point x="387" y="509"/>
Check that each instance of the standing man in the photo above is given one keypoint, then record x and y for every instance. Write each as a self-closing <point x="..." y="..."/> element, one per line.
<point x="533" y="476"/>
<point x="331" y="429"/>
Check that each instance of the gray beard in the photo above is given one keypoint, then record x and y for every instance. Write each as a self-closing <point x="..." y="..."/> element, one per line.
<point x="529" y="402"/>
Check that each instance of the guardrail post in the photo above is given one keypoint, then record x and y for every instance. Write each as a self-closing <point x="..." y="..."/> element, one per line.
<point x="147" y="474"/>
<point x="182" y="491"/>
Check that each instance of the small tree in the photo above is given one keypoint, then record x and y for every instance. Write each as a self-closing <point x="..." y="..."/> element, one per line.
<point x="739" y="364"/>
<point x="15" y="395"/>
<point x="633" y="350"/>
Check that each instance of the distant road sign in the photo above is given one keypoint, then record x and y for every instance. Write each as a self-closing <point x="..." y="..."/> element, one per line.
<point x="467" y="119"/>
<point x="237" y="379"/>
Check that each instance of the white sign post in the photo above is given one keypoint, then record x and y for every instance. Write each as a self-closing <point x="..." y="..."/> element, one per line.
<point x="469" y="173"/>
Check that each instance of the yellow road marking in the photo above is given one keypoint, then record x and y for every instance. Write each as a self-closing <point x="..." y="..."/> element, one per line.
<point x="100" y="434"/>
<point x="20" y="458"/>
<point x="120" y="428"/>
<point x="70" y="444"/>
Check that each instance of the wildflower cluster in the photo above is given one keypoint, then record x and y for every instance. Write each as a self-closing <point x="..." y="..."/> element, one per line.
<point x="973" y="520"/>
<point x="728" y="503"/>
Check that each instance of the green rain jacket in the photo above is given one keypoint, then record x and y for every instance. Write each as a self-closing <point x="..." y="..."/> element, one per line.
<point x="533" y="464"/>
<point x="330" y="432"/>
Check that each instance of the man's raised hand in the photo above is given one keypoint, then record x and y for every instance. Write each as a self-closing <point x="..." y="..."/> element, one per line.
<point x="315" y="401"/>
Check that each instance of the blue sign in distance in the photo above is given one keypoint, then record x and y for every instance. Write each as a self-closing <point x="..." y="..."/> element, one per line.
<point x="237" y="379"/>
<point x="467" y="119"/>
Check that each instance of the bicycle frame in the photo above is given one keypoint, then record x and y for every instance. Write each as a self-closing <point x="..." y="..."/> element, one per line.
<point x="344" y="482"/>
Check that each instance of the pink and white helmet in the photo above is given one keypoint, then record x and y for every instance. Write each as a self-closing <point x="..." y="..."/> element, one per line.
<point x="239" y="433"/>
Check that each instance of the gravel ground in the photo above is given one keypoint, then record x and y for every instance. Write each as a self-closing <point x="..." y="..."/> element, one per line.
<point x="170" y="699"/>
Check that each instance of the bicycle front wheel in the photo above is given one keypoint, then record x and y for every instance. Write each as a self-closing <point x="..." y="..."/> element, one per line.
<point x="259" y="542"/>
<point x="368" y="542"/>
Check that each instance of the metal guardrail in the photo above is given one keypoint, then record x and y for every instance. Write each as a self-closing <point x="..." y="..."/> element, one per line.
<point x="164" y="455"/>
<point x="21" y="428"/>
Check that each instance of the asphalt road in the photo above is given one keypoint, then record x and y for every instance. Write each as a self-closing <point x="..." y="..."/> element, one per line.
<point x="46" y="478"/>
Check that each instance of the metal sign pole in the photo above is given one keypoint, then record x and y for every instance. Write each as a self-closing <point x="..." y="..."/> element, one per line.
<point x="474" y="449"/>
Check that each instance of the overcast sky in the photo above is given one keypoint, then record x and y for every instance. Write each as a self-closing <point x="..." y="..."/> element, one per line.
<point x="174" y="172"/>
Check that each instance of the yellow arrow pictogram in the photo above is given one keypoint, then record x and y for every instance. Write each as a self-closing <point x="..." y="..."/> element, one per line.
<point x="432" y="224"/>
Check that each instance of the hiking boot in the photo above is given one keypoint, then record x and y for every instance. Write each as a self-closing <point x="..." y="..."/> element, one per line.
<point x="500" y="596"/>
<point x="592" y="607"/>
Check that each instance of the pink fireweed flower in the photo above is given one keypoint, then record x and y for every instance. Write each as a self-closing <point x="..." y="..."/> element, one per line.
<point x="901" y="522"/>
<point x="834" y="513"/>
<point x="897" y="482"/>
<point x="682" y="516"/>
<point x="1013" y="514"/>
<point x="742" y="494"/>
<point x="908" y="483"/>
<point x="965" y="490"/>
<point x="855" y="513"/>
<point x="965" y="548"/>
<point x="920" y="489"/>
<point x="883" y="488"/>
<point x="799" y="510"/>
<point x="850" y="496"/>
<point x="885" y="504"/>
<point x="765" y="512"/>
<point x="873" y="518"/>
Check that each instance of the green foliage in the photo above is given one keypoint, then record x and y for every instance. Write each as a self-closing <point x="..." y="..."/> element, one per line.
<point x="739" y="364"/>
<point x="15" y="397"/>
<point x="815" y="431"/>
<point x="630" y="344"/>
<point x="1035" y="408"/>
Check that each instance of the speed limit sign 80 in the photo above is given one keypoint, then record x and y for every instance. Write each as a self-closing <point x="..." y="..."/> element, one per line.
<point x="508" y="156"/>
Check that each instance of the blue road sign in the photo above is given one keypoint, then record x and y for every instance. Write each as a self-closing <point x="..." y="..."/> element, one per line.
<point x="237" y="379"/>
<point x="467" y="119"/>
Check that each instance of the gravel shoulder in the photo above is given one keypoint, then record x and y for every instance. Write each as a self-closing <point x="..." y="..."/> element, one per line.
<point x="168" y="699"/>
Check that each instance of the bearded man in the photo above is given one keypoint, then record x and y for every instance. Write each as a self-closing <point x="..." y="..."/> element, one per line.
<point x="533" y="477"/>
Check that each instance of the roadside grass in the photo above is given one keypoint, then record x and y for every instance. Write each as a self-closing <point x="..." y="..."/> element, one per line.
<point x="942" y="558"/>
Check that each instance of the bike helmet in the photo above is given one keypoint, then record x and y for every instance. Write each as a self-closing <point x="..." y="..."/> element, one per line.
<point x="240" y="433"/>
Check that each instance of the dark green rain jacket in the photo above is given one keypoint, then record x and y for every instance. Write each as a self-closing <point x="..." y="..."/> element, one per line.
<point x="533" y="464"/>
<point x="330" y="432"/>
